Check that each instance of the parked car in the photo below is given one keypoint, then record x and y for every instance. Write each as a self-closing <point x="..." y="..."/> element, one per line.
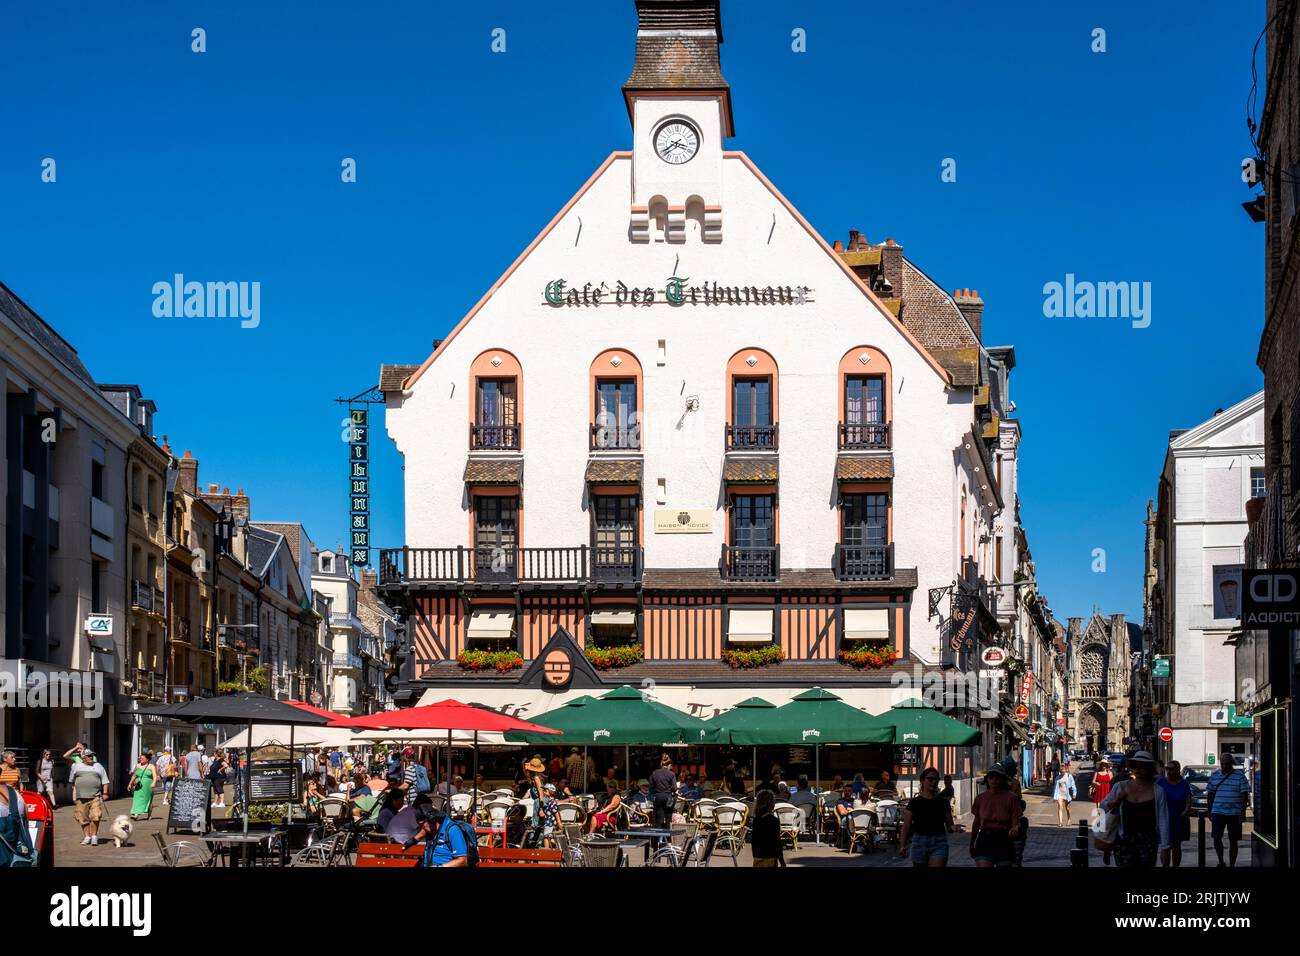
<point x="1116" y="758"/>
<point x="1198" y="778"/>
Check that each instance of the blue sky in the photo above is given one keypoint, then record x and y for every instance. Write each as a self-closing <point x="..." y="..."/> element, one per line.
<point x="1115" y="166"/>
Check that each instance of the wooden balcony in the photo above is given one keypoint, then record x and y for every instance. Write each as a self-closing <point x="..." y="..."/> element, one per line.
<point x="862" y="563"/>
<point x="750" y="563"/>
<point x="511" y="565"/>
<point x="495" y="437"/>
<point x="860" y="435"/>
<point x="751" y="437"/>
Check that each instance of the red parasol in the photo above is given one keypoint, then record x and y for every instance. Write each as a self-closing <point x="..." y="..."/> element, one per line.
<point x="336" y="720"/>
<point x="448" y="715"/>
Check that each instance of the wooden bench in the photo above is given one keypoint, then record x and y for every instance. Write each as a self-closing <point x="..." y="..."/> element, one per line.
<point x="514" y="856"/>
<point x="395" y="855"/>
<point x="389" y="854"/>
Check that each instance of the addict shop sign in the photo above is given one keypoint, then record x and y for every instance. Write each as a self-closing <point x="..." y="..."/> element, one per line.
<point x="1270" y="598"/>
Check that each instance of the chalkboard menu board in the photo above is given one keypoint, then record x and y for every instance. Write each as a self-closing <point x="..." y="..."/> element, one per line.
<point x="276" y="782"/>
<point x="188" y="809"/>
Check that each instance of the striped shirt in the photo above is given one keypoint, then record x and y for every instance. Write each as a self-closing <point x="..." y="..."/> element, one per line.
<point x="1228" y="792"/>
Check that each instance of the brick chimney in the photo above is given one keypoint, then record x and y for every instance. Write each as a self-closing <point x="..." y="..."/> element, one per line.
<point x="237" y="504"/>
<point x="366" y="591"/>
<point x="972" y="306"/>
<point x="187" y="478"/>
<point x="891" y="267"/>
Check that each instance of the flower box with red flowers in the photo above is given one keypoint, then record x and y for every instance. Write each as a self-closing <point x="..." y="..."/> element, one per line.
<point x="500" y="661"/>
<point x="607" y="658"/>
<point x="745" y="658"/>
<point x="869" y="657"/>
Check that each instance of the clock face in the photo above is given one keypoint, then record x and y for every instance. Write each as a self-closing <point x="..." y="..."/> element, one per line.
<point x="676" y="141"/>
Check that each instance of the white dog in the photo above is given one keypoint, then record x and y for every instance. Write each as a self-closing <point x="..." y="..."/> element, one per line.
<point x="121" y="830"/>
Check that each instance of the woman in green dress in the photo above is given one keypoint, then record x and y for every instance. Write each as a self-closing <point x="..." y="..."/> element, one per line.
<point x="145" y="779"/>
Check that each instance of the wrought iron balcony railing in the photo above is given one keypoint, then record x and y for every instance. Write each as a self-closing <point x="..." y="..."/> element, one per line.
<point x="615" y="437"/>
<point x="494" y="437"/>
<point x="864" y="563"/>
<point x="508" y="565"/>
<point x="142" y="594"/>
<point x="744" y="563"/>
<point x="751" y="437"/>
<point x="854" y="435"/>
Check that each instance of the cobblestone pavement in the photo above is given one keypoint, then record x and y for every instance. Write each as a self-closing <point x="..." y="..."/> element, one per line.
<point x="1048" y="844"/>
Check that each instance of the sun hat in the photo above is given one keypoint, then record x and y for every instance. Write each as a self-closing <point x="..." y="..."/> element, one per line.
<point x="1142" y="757"/>
<point x="535" y="765"/>
<point x="550" y="787"/>
<point x="643" y="782"/>
<point x="998" y="769"/>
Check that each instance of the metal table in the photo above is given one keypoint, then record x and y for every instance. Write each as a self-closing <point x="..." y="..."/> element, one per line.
<point x="644" y="836"/>
<point x="243" y="842"/>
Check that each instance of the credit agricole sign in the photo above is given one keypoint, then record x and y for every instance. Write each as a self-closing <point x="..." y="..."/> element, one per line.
<point x="676" y="291"/>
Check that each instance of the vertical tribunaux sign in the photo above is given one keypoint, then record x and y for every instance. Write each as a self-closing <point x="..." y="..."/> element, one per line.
<point x="359" y="486"/>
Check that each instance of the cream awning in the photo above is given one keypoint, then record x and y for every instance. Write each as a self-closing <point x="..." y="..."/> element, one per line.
<point x="749" y="627"/>
<point x="613" y="618"/>
<point x="491" y="625"/>
<point x="864" y="625"/>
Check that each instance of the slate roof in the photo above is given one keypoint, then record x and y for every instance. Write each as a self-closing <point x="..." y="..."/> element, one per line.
<point x="261" y="546"/>
<point x="494" y="471"/>
<point x="677" y="48"/>
<point x="858" y="468"/>
<point x="614" y="471"/>
<point x="930" y="314"/>
<point x="750" y="470"/>
<point x="18" y="312"/>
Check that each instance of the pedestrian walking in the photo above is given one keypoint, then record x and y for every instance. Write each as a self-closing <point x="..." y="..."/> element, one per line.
<point x="1143" y="814"/>
<point x="996" y="822"/>
<point x="1178" y="800"/>
<point x="144" y="778"/>
<point x="89" y="782"/>
<point x="217" y="774"/>
<point x="1064" y="791"/>
<point x="1227" y="794"/>
<point x="9" y="774"/>
<point x="45" y="777"/>
<point x="766" y="832"/>
<point x="927" y="818"/>
<point x="168" y="768"/>
<point x="193" y="762"/>
<point x="1102" y="780"/>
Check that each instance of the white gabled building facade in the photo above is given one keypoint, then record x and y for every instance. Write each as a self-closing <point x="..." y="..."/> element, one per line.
<point x="1209" y="474"/>
<point x="682" y="421"/>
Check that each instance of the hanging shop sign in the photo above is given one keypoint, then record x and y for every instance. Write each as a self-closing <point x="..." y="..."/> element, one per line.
<point x="1270" y="598"/>
<point x="993" y="656"/>
<point x="1022" y="713"/>
<point x="359" y="485"/>
<point x="677" y="290"/>
<point x="1025" y="686"/>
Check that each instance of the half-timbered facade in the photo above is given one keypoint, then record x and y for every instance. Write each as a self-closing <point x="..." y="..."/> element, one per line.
<point x="683" y="427"/>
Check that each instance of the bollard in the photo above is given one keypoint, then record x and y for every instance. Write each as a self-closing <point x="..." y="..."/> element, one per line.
<point x="1078" y="858"/>
<point x="1200" y="840"/>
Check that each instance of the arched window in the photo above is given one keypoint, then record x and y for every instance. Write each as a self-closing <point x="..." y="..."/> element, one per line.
<point x="752" y="401"/>
<point x="496" y="402"/>
<point x="617" y="401"/>
<point x="866" y="405"/>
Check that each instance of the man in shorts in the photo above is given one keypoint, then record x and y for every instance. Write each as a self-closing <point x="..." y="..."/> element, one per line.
<point x="89" y="783"/>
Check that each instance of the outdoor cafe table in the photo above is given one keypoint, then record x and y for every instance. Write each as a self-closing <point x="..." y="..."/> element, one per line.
<point x="645" y="836"/>
<point x="244" y="842"/>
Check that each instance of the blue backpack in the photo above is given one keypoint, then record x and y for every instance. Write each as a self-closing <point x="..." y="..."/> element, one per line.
<point x="422" y="784"/>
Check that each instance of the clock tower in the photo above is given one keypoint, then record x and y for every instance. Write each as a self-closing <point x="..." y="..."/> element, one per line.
<point x="680" y="107"/>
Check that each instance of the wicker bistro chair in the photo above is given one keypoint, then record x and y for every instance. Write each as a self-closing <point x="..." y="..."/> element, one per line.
<point x="573" y="838"/>
<point x="328" y="851"/>
<point x="334" y="811"/>
<point x="703" y="811"/>
<point x="676" y="849"/>
<point x="495" y="811"/>
<point x="700" y="849"/>
<point x="570" y="813"/>
<point x="732" y="825"/>
<point x="460" y="804"/>
<point x="791" y="821"/>
<point x="602" y="853"/>
<point x="861" y="824"/>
